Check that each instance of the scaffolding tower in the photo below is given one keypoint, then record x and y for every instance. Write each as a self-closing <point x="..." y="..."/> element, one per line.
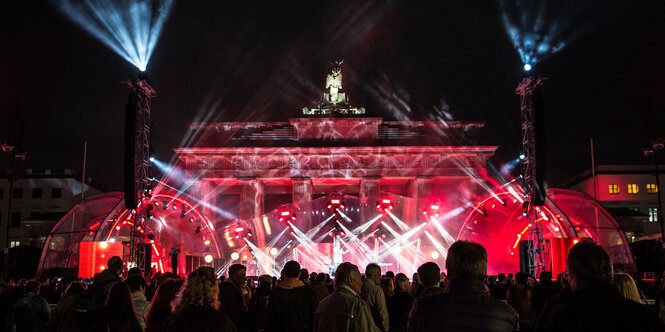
<point x="138" y="109"/>
<point x="527" y="89"/>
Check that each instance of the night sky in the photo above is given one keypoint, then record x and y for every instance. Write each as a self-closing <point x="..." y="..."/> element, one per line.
<point x="265" y="60"/>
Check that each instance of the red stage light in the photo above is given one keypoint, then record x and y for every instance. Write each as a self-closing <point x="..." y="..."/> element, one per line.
<point x="335" y="201"/>
<point x="285" y="213"/>
<point x="386" y="201"/>
<point x="240" y="229"/>
<point x="434" y="207"/>
<point x="117" y="227"/>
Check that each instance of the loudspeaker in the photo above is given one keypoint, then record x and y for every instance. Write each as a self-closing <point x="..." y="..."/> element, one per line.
<point x="145" y="256"/>
<point x="129" y="165"/>
<point x="539" y="132"/>
<point x="525" y="261"/>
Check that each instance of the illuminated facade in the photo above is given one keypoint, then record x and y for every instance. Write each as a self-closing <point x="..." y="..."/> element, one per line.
<point x="249" y="168"/>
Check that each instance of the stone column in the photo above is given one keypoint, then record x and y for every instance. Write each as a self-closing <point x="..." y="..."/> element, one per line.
<point x="418" y="188"/>
<point x="370" y="189"/>
<point x="302" y="196"/>
<point x="251" y="206"/>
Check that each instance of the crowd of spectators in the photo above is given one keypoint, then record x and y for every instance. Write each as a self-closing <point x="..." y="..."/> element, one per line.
<point x="588" y="296"/>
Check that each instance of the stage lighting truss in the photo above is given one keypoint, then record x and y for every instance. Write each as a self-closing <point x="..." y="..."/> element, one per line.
<point x="335" y="202"/>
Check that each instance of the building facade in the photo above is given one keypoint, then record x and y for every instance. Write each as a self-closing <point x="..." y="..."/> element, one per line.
<point x="39" y="199"/>
<point x="629" y="193"/>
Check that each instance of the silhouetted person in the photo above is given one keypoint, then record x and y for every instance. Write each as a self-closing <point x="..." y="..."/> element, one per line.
<point x="544" y="291"/>
<point x="258" y="304"/>
<point x="231" y="297"/>
<point x="174" y="259"/>
<point x="117" y="315"/>
<point x="466" y="303"/>
<point x="344" y="310"/>
<point x="430" y="277"/>
<point x="373" y="295"/>
<point x="596" y="304"/>
<point x="319" y="287"/>
<point x="66" y="315"/>
<point x="102" y="283"/>
<point x="196" y="307"/>
<point x="32" y="312"/>
<point x="400" y="303"/>
<point x="137" y="286"/>
<point x="501" y="289"/>
<point x="520" y="297"/>
<point x="292" y="305"/>
<point x="160" y="313"/>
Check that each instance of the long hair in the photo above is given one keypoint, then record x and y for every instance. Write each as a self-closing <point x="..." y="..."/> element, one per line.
<point x="627" y="287"/>
<point x="200" y="289"/>
<point x="123" y="317"/>
<point x="159" y="315"/>
<point x="401" y="283"/>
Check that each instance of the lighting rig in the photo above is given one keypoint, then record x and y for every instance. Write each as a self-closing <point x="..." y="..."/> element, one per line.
<point x="534" y="191"/>
<point x="138" y="173"/>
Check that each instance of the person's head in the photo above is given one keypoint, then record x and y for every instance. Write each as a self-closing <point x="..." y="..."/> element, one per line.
<point x="136" y="283"/>
<point x="467" y="260"/>
<point x="373" y="272"/>
<point x="510" y="276"/>
<point x="588" y="264"/>
<point x="416" y="278"/>
<point x="391" y="275"/>
<point x="237" y="274"/>
<point x="387" y="285"/>
<point x="160" y="307"/>
<point x="74" y="288"/>
<point x="521" y="278"/>
<point x="115" y="264"/>
<point x="545" y="277"/>
<point x="31" y="286"/>
<point x="291" y="269"/>
<point x="502" y="277"/>
<point x="430" y="274"/>
<point x="320" y="278"/>
<point x="304" y="275"/>
<point x="627" y="287"/>
<point x="120" y="298"/>
<point x="349" y="275"/>
<point x="401" y="283"/>
<point x="200" y="289"/>
<point x="135" y="271"/>
<point x="265" y="280"/>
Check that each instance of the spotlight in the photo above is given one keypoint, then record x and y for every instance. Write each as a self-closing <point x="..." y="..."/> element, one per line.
<point x="152" y="159"/>
<point x="527" y="67"/>
<point x="206" y="243"/>
<point x="235" y="256"/>
<point x="434" y="254"/>
<point x="103" y="245"/>
<point x="208" y="258"/>
<point x="522" y="156"/>
<point x="273" y="251"/>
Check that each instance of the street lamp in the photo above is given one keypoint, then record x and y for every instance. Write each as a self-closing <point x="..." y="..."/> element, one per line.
<point x="650" y="151"/>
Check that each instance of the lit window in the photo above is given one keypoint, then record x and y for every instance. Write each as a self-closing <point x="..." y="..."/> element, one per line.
<point x="614" y="188"/>
<point x="13" y="244"/>
<point x="633" y="188"/>
<point x="652" y="188"/>
<point x="653" y="214"/>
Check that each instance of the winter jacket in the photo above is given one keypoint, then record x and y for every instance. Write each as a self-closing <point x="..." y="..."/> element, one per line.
<point x="65" y="316"/>
<point x="520" y="297"/>
<point x="321" y="291"/>
<point x="201" y="319"/>
<point x="374" y="296"/>
<point x="32" y="313"/>
<point x="291" y="307"/>
<point x="343" y="310"/>
<point x="465" y="306"/>
<point x="233" y="304"/>
<point x="602" y="308"/>
<point x="141" y="307"/>
<point x="258" y="306"/>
